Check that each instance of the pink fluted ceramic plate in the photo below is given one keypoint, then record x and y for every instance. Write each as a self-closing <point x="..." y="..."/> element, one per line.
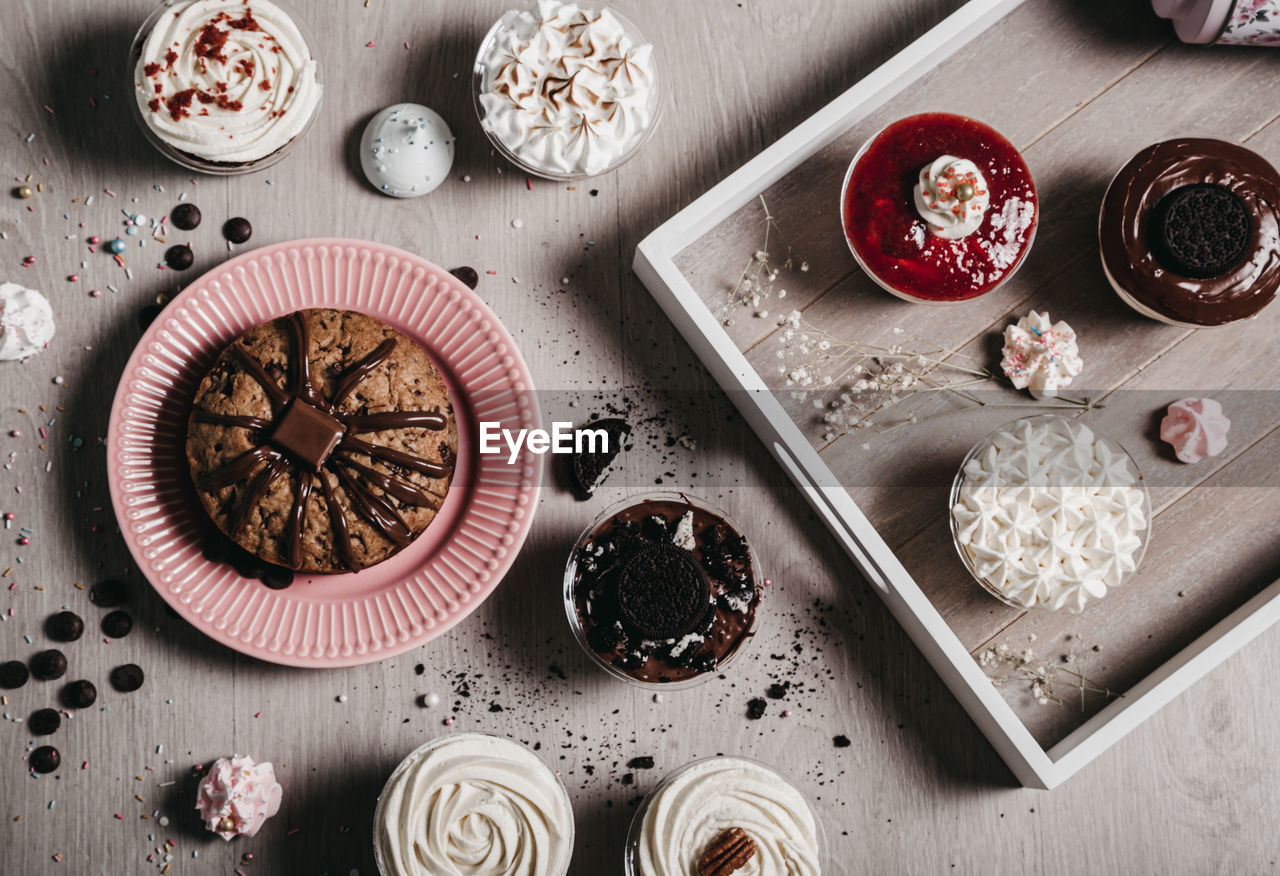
<point x="325" y="620"/>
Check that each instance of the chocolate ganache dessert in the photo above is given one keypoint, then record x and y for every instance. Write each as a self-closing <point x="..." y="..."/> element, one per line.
<point x="1190" y="232"/>
<point x="664" y="590"/>
<point x="323" y="441"/>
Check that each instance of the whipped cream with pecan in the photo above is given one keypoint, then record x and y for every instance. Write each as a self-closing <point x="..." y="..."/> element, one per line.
<point x="226" y="81"/>
<point x="567" y="90"/>
<point x="694" y="810"/>
<point x="471" y="804"/>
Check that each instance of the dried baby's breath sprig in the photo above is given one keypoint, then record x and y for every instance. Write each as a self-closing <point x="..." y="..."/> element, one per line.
<point x="756" y="284"/>
<point x="858" y="381"/>
<point x="1048" y="681"/>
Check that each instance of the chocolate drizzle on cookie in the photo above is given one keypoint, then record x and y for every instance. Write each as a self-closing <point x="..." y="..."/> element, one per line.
<point x="308" y="433"/>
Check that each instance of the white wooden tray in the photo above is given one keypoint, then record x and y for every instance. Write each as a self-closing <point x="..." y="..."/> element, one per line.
<point x="1078" y="87"/>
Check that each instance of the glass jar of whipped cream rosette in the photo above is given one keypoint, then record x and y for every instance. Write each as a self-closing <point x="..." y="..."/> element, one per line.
<point x="222" y="87"/>
<point x="726" y="809"/>
<point x="1046" y="512"/>
<point x="938" y="208"/>
<point x="473" y="803"/>
<point x="566" y="91"/>
<point x="663" y="591"/>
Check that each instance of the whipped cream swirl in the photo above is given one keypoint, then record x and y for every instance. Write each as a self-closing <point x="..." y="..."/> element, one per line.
<point x="26" y="322"/>
<point x="1050" y="514"/>
<point x="1040" y="355"/>
<point x="1196" y="427"/>
<point x="566" y="89"/>
<point x="471" y="804"/>
<point x="707" y="798"/>
<point x="952" y="197"/>
<point x="227" y="81"/>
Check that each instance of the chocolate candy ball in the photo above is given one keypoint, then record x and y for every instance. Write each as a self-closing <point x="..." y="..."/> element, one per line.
<point x="44" y="759"/>
<point x="65" y="626"/>
<point x="44" y="721"/>
<point x="237" y="230"/>
<point x="127" y="678"/>
<point x="117" y="625"/>
<point x="13" y="674"/>
<point x="48" y="665"/>
<point x="179" y="257"/>
<point x="78" y="694"/>
<point x="185" y="216"/>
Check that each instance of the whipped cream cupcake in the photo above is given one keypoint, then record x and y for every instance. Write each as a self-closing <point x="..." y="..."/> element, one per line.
<point x="472" y="804"/>
<point x="223" y="86"/>
<point x="566" y="92"/>
<point x="1046" y="512"/>
<point x="724" y="815"/>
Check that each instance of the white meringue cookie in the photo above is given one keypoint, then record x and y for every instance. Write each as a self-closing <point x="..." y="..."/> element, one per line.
<point x="1050" y="514"/>
<point x="26" y="322"/>
<point x="1040" y="355"/>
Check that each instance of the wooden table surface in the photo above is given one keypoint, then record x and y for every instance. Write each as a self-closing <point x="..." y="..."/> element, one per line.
<point x="917" y="789"/>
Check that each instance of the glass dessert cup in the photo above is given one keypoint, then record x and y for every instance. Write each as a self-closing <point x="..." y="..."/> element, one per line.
<point x="1134" y="233"/>
<point x="978" y="449"/>
<point x="631" y="853"/>
<point x="190" y="160"/>
<point x="656" y="101"/>
<point x="572" y="575"/>
<point x="384" y="868"/>
<point x="905" y="207"/>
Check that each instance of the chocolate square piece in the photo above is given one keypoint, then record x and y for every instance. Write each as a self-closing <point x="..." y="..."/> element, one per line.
<point x="307" y="434"/>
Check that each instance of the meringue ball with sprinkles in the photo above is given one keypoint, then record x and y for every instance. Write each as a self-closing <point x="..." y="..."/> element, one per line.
<point x="406" y="150"/>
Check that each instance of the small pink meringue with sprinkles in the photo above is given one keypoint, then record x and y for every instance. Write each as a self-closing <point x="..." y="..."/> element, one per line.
<point x="1040" y="355"/>
<point x="237" y="796"/>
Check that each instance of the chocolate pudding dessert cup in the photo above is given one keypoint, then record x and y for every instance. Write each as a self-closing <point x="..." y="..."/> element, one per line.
<point x="224" y="87"/>
<point x="662" y="591"/>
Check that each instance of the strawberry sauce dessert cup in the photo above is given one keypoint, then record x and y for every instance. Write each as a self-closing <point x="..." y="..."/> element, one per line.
<point x="939" y="208"/>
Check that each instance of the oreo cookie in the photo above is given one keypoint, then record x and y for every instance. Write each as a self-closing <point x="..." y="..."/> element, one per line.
<point x="587" y="470"/>
<point x="1201" y="230"/>
<point x="663" y="593"/>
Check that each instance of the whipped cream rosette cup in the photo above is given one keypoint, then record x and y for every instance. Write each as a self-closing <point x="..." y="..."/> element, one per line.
<point x="1048" y="513"/>
<point x="566" y="91"/>
<point x="224" y="86"/>
<point x="470" y="804"/>
<point x="725" y="814"/>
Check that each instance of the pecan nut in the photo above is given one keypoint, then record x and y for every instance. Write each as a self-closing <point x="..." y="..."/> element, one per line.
<point x="727" y="853"/>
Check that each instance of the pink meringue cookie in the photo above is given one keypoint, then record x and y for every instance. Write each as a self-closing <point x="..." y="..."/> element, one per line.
<point x="1196" y="427"/>
<point x="237" y="796"/>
